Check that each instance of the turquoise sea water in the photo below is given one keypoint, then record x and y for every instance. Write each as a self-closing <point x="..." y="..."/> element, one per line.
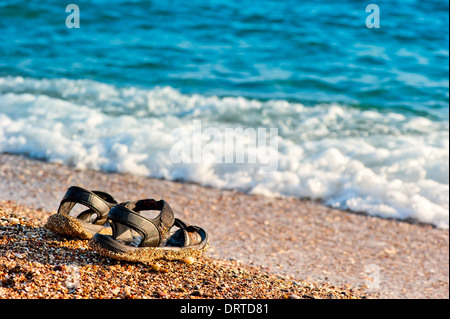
<point x="303" y="51"/>
<point x="362" y="113"/>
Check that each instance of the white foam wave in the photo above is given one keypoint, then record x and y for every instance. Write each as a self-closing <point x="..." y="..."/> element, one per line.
<point x="384" y="164"/>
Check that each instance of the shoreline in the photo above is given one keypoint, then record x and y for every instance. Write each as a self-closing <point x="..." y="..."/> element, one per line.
<point x="300" y="240"/>
<point x="37" y="264"/>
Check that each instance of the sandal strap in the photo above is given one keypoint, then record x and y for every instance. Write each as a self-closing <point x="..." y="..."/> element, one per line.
<point x="152" y="231"/>
<point x="190" y="234"/>
<point x="98" y="202"/>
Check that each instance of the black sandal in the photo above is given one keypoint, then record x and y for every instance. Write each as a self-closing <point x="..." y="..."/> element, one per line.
<point x="139" y="239"/>
<point x="86" y="223"/>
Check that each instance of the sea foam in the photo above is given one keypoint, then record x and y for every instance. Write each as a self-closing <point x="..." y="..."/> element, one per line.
<point x="385" y="164"/>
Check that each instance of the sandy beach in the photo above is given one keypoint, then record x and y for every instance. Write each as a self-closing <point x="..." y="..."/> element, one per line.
<point x="260" y="247"/>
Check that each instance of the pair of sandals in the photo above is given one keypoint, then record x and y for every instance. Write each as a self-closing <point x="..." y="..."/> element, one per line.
<point x="122" y="232"/>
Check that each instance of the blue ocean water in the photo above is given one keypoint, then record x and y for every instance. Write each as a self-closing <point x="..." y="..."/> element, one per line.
<point x="362" y="113"/>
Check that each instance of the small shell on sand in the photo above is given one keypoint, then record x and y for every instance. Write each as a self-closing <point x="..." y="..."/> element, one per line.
<point x="156" y="267"/>
<point x="189" y="260"/>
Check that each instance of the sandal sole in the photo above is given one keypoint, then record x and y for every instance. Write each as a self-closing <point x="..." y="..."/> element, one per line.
<point x="145" y="254"/>
<point x="70" y="226"/>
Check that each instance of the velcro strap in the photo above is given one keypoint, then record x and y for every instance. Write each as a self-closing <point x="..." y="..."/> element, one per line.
<point x="190" y="233"/>
<point x="78" y="195"/>
<point x="152" y="231"/>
